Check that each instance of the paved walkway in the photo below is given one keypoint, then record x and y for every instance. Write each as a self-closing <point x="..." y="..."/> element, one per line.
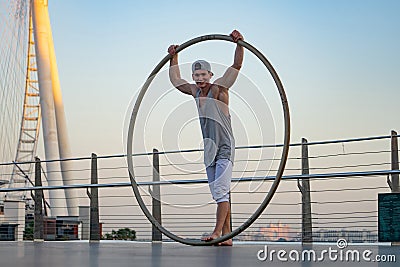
<point x="120" y="254"/>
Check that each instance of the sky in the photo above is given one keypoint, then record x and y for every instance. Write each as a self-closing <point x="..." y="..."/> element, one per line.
<point x="338" y="61"/>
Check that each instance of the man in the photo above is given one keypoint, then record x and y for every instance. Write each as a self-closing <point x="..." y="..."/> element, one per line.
<point x="212" y="101"/>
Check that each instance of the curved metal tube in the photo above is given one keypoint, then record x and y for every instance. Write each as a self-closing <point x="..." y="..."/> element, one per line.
<point x="284" y="154"/>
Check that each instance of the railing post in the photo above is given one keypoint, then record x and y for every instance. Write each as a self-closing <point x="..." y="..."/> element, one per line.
<point x="395" y="162"/>
<point x="156" y="196"/>
<point x="94" y="203"/>
<point x="304" y="187"/>
<point x="38" y="234"/>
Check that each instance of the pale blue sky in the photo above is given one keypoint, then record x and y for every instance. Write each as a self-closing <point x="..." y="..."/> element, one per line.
<point x="338" y="60"/>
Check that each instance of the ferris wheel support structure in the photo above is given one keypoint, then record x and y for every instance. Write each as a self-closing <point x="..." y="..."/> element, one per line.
<point x="30" y="124"/>
<point x="55" y="135"/>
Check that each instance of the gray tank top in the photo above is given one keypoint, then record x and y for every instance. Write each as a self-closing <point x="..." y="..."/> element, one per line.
<point x="216" y="128"/>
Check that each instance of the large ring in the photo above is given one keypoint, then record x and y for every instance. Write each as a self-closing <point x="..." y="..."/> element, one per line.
<point x="284" y="154"/>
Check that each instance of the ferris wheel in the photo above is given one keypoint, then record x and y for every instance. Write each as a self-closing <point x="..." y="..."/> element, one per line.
<point x="30" y="96"/>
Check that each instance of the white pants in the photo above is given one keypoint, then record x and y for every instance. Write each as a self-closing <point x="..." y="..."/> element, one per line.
<point x="219" y="179"/>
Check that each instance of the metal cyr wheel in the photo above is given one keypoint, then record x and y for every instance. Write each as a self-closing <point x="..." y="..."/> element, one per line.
<point x="284" y="154"/>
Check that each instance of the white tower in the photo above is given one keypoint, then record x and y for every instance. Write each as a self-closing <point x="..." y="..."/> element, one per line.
<point x="52" y="111"/>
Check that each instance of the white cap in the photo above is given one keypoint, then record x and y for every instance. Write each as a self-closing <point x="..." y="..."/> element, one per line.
<point x="201" y="65"/>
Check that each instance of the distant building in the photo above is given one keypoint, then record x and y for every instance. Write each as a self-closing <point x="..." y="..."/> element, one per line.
<point x="12" y="219"/>
<point x="282" y="232"/>
<point x="61" y="228"/>
<point x="271" y="232"/>
<point x="353" y="236"/>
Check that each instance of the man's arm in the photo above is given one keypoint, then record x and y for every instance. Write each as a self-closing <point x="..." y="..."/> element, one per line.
<point x="231" y="74"/>
<point x="175" y="74"/>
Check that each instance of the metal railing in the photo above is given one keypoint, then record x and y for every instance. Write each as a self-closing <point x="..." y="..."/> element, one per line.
<point x="329" y="191"/>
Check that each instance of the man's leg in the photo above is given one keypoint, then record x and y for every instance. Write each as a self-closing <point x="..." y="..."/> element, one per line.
<point x="220" y="190"/>
<point x="222" y="211"/>
<point x="227" y="175"/>
<point x="226" y="229"/>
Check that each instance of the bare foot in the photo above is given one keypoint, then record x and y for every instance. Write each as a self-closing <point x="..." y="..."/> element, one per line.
<point x="210" y="237"/>
<point x="226" y="243"/>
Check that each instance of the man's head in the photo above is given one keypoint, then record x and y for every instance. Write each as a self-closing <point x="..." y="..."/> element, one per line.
<point x="201" y="73"/>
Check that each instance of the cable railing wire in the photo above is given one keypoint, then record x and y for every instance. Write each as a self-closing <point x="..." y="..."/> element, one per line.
<point x="121" y="209"/>
<point x="199" y="150"/>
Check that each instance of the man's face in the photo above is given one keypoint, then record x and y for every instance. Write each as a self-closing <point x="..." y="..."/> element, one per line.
<point x="202" y="78"/>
